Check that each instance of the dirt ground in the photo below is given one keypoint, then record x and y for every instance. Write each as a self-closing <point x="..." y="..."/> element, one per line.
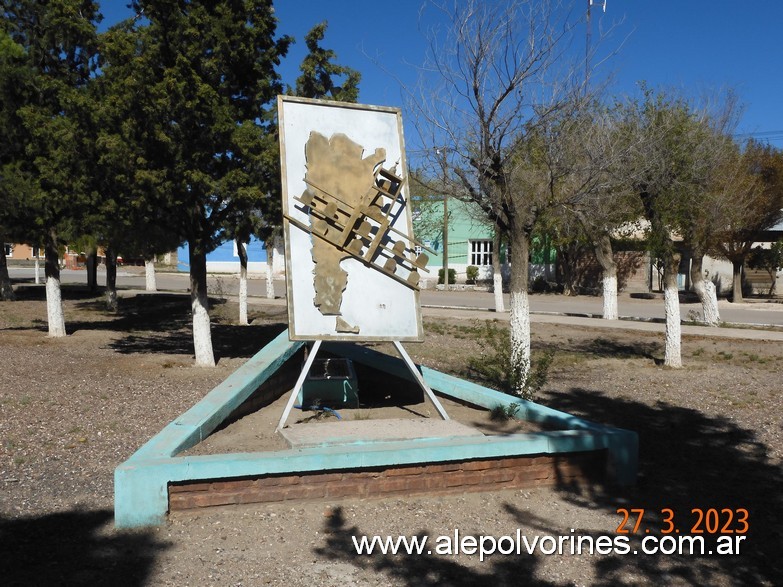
<point x="72" y="409"/>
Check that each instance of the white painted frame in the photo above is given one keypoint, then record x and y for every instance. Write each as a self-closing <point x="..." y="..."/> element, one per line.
<point x="382" y="308"/>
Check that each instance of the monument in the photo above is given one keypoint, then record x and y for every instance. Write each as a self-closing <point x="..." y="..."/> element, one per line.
<point x="352" y="271"/>
<point x="352" y="264"/>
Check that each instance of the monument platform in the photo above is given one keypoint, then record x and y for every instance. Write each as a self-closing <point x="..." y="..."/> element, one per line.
<point x="366" y="431"/>
<point x="159" y="478"/>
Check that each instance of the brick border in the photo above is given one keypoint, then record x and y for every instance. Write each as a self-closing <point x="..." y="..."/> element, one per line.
<point x="431" y="478"/>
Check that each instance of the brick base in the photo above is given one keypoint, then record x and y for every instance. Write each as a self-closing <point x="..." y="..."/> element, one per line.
<point x="432" y="478"/>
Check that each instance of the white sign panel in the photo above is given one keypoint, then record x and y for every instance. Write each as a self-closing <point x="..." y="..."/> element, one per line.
<point x="352" y="268"/>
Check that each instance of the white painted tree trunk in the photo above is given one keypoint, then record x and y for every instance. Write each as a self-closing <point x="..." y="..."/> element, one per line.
<point x="709" y="301"/>
<point x="610" y="297"/>
<point x="54" y="307"/>
<point x="605" y="256"/>
<point x="202" y="330"/>
<point x="520" y="329"/>
<point x="671" y="303"/>
<point x="520" y="306"/>
<point x="151" y="281"/>
<point x="54" y="301"/>
<point x="243" y="296"/>
<point x="497" y="275"/>
<point x="242" y="252"/>
<point x="705" y="290"/>
<point x="199" y="304"/>
<point x="37" y="271"/>
<point x="270" y="256"/>
<point x="497" y="288"/>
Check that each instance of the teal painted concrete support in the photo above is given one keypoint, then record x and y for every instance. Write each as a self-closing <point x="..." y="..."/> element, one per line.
<point x="141" y="483"/>
<point x="141" y="495"/>
<point x="200" y="420"/>
<point x="622" y="445"/>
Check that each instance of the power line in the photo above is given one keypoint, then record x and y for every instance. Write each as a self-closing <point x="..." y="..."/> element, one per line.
<point x="769" y="136"/>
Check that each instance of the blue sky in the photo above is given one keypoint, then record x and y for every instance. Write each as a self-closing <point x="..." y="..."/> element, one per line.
<point x="692" y="46"/>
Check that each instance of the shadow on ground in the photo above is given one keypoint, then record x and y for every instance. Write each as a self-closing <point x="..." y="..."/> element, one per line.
<point x="155" y="323"/>
<point x="74" y="548"/>
<point x="688" y="460"/>
<point x="422" y="570"/>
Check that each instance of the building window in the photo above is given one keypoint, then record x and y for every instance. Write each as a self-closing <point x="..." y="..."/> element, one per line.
<point x="9" y="249"/>
<point x="481" y="252"/>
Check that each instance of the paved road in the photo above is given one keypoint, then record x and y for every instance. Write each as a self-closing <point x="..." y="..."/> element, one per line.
<point x="764" y="313"/>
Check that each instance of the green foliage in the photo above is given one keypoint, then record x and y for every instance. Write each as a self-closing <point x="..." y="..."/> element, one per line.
<point x="319" y="73"/>
<point x="47" y="59"/>
<point x="496" y="365"/>
<point x="771" y="260"/>
<point x="504" y="412"/>
<point x="452" y="276"/>
<point x="472" y="273"/>
<point x="200" y="122"/>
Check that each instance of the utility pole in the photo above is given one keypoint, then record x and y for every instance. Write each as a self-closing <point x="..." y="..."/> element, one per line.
<point x="441" y="153"/>
<point x="445" y="242"/>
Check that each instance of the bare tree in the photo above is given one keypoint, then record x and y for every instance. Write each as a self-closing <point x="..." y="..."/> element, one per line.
<point x="493" y="75"/>
<point x="580" y="154"/>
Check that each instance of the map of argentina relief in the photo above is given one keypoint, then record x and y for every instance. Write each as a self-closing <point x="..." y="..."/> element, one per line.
<point x="353" y="267"/>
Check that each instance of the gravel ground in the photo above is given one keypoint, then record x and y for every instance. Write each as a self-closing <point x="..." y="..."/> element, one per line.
<point x="72" y="409"/>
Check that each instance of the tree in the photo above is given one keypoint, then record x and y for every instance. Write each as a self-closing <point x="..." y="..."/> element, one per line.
<point x="580" y="155"/>
<point x="710" y="175"/>
<point x="676" y="178"/>
<point x="757" y="202"/>
<point x="133" y="215"/>
<point x="497" y="72"/>
<point x="320" y="75"/>
<point x="770" y="259"/>
<point x="59" y="43"/>
<point x="13" y="82"/>
<point x="212" y="77"/>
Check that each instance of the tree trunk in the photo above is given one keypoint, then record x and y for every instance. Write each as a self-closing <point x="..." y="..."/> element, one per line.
<point x="37" y="270"/>
<point x="565" y="257"/>
<point x="520" y="305"/>
<point x="736" y="292"/>
<point x="54" y="300"/>
<point x="242" y="252"/>
<point x="671" y="303"/>
<point x="705" y="290"/>
<point x="199" y="303"/>
<point x="497" y="275"/>
<point x="151" y="282"/>
<point x="270" y="257"/>
<point x="605" y="257"/>
<point x="111" y="280"/>
<point x="6" y="289"/>
<point x="92" y="270"/>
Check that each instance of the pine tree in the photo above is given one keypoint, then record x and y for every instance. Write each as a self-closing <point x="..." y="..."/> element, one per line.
<point x="211" y="78"/>
<point x="320" y="75"/>
<point x="50" y="122"/>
